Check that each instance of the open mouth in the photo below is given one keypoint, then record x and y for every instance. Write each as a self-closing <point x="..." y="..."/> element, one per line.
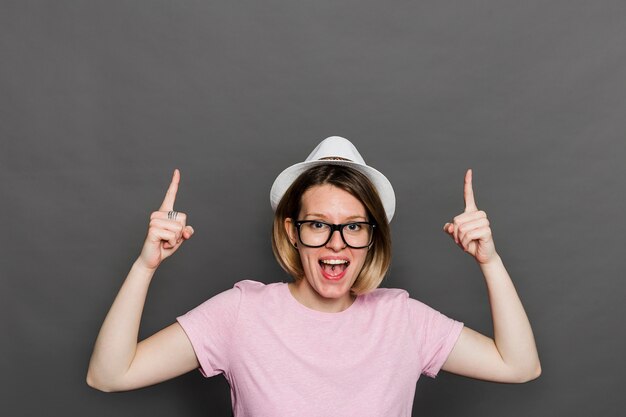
<point x="334" y="269"/>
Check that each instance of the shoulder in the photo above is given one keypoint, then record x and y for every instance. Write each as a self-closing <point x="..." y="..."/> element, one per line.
<point x="255" y="295"/>
<point x="386" y="298"/>
<point x="250" y="288"/>
<point x="230" y="301"/>
<point x="386" y="295"/>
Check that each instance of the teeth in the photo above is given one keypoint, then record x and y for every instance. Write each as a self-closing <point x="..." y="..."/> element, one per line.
<point x="334" y="261"/>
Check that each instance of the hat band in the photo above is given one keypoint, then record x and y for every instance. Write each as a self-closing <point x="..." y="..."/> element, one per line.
<point x="334" y="158"/>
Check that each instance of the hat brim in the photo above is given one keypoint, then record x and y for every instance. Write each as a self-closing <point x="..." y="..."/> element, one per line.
<point x="380" y="182"/>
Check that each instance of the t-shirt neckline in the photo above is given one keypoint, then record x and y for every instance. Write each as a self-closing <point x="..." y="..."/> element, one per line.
<point x="302" y="309"/>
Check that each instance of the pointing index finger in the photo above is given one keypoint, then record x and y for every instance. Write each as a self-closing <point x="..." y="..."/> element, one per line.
<point x="468" y="192"/>
<point x="170" y="195"/>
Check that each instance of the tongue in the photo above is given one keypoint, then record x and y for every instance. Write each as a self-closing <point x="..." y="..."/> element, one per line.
<point x="333" y="270"/>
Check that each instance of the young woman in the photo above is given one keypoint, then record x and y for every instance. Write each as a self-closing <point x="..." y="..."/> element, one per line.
<point x="330" y="342"/>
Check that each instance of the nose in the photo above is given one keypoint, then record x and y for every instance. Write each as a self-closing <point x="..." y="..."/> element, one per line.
<point x="336" y="242"/>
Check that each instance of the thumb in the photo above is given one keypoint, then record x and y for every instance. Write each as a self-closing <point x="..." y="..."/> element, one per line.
<point x="188" y="232"/>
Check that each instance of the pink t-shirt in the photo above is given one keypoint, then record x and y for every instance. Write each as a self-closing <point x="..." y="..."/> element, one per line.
<point x="284" y="359"/>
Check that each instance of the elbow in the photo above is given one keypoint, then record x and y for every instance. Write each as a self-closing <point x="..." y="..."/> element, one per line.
<point x="529" y="374"/>
<point x="91" y="382"/>
<point x="536" y="372"/>
<point x="94" y="383"/>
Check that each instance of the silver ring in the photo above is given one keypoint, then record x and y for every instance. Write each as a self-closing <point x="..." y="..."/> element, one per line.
<point x="172" y="215"/>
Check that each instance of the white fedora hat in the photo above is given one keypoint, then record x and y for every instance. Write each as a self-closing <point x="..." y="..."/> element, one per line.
<point x="336" y="150"/>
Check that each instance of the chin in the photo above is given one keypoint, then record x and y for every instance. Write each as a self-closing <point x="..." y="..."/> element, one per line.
<point x="332" y="289"/>
<point x="333" y="293"/>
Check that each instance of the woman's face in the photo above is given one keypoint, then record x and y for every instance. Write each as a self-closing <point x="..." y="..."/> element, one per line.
<point x="330" y="271"/>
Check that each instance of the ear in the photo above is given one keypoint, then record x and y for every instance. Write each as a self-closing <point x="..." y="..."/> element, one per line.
<point x="290" y="228"/>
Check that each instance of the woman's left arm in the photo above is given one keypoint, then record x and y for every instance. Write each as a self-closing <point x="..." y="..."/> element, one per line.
<point x="511" y="356"/>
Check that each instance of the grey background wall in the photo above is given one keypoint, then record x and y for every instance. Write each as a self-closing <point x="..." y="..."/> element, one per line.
<point x="100" y="101"/>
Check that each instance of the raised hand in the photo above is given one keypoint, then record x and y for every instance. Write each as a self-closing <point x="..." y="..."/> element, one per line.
<point x="167" y="230"/>
<point x="470" y="230"/>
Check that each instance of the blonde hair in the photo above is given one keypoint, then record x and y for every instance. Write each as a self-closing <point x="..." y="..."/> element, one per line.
<point x="357" y="184"/>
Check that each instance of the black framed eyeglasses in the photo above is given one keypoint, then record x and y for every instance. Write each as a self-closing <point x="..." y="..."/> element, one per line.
<point x="315" y="233"/>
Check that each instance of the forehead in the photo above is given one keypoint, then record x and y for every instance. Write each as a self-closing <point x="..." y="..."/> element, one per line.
<point x="331" y="202"/>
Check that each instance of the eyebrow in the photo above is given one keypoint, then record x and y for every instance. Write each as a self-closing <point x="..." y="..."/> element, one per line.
<point x="322" y="216"/>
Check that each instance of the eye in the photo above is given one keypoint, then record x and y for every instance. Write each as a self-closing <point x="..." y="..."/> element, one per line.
<point x="317" y="225"/>
<point x="353" y="227"/>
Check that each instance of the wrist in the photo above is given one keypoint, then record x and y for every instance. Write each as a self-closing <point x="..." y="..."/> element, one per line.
<point x="142" y="268"/>
<point x="492" y="261"/>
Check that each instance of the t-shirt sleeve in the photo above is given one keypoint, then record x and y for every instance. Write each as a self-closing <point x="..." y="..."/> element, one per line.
<point x="210" y="327"/>
<point x="435" y="334"/>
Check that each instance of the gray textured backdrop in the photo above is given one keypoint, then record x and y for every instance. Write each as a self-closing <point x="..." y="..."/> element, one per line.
<point x="99" y="101"/>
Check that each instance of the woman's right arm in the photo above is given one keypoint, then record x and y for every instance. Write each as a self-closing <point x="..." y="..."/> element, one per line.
<point x="118" y="362"/>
